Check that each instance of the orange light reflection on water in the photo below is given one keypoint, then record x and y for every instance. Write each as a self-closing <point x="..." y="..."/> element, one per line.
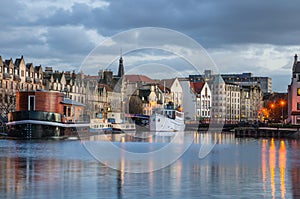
<point x="264" y="163"/>
<point x="282" y="167"/>
<point x="272" y="165"/>
<point x="273" y="152"/>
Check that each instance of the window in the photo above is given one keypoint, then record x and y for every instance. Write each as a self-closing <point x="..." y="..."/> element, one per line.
<point x="298" y="106"/>
<point x="67" y="111"/>
<point x="31" y="103"/>
<point x="298" y="91"/>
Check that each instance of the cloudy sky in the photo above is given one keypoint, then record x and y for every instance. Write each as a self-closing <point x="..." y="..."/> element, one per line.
<point x="240" y="36"/>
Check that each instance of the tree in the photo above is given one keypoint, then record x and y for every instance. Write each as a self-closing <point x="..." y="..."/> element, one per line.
<point x="8" y="105"/>
<point x="135" y="105"/>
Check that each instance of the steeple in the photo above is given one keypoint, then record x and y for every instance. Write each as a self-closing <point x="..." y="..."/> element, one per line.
<point x="121" y="67"/>
<point x="295" y="63"/>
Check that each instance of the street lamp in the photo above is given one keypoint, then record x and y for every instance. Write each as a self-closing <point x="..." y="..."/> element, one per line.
<point x="272" y="106"/>
<point x="282" y="104"/>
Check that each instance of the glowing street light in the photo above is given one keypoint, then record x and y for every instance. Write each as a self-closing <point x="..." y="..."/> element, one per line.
<point x="272" y="106"/>
<point x="282" y="103"/>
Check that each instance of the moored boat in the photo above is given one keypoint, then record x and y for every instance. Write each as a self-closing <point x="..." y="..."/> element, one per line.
<point x="99" y="125"/>
<point x="43" y="114"/>
<point x="120" y="123"/>
<point x="167" y="119"/>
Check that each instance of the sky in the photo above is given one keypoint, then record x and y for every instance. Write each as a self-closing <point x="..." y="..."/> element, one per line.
<point x="255" y="36"/>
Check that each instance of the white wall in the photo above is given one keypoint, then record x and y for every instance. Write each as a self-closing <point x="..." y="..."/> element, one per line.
<point x="188" y="100"/>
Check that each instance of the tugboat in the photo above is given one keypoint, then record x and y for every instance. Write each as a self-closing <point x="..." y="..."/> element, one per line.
<point x="167" y="119"/>
<point x="46" y="114"/>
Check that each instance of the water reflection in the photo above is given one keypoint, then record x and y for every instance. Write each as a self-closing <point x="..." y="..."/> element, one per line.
<point x="276" y="178"/>
<point x="235" y="168"/>
<point x="295" y="145"/>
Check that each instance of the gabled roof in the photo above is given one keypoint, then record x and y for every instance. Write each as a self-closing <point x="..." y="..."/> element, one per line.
<point x="167" y="82"/>
<point x="8" y="62"/>
<point x="297" y="67"/>
<point x="197" y="86"/>
<point x="139" y="78"/>
<point x="29" y="65"/>
<point x="37" y="68"/>
<point x="18" y="61"/>
<point x="164" y="89"/>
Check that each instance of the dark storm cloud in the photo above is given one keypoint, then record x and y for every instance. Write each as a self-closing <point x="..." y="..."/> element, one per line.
<point x="68" y="40"/>
<point x="210" y="22"/>
<point x="238" y="34"/>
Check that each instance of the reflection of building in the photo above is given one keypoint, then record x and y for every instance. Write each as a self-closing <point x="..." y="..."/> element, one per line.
<point x="294" y="94"/>
<point x="295" y="145"/>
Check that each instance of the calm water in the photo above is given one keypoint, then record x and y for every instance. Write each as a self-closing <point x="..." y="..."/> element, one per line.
<point x="235" y="168"/>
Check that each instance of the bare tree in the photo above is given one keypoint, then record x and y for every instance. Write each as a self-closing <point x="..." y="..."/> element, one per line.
<point x="7" y="105"/>
<point x="135" y="105"/>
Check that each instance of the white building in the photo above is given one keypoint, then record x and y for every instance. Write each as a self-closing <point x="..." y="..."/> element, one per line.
<point x="294" y="94"/>
<point x="218" y="109"/>
<point x="203" y="100"/>
<point x="188" y="100"/>
<point x="175" y="90"/>
<point x="232" y="103"/>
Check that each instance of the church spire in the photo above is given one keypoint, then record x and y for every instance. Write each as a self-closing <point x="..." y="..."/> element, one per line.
<point x="121" y="67"/>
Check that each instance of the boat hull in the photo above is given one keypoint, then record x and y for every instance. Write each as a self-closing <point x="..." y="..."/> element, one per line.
<point x="161" y="123"/>
<point x="32" y="129"/>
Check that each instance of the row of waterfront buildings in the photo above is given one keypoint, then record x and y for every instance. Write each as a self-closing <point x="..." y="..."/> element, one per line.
<point x="230" y="97"/>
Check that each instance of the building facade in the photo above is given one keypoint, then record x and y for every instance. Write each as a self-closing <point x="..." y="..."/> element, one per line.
<point x="294" y="94"/>
<point x="203" y="98"/>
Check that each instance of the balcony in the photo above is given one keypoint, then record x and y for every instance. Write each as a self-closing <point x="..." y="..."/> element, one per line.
<point x="6" y="76"/>
<point x="37" y="81"/>
<point x="28" y="80"/>
<point x="17" y="78"/>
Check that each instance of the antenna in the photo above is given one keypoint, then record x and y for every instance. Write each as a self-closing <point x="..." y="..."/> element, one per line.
<point x="120" y="52"/>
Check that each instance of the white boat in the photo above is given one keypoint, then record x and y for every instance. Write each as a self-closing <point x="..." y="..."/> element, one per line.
<point x="99" y="125"/>
<point x="120" y="123"/>
<point x="167" y="119"/>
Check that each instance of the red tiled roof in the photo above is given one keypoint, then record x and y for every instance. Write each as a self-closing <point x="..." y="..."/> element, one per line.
<point x="197" y="86"/>
<point x="95" y="77"/>
<point x="163" y="89"/>
<point x="105" y="86"/>
<point x="139" y="78"/>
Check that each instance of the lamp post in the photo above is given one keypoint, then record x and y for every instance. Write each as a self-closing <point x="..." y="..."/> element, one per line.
<point x="272" y="112"/>
<point x="282" y="104"/>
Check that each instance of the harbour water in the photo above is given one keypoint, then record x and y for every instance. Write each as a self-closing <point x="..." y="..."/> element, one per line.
<point x="234" y="168"/>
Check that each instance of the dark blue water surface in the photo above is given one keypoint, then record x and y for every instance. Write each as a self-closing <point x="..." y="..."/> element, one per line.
<point x="235" y="168"/>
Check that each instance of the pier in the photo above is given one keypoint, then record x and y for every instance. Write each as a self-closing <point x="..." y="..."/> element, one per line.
<point x="267" y="132"/>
